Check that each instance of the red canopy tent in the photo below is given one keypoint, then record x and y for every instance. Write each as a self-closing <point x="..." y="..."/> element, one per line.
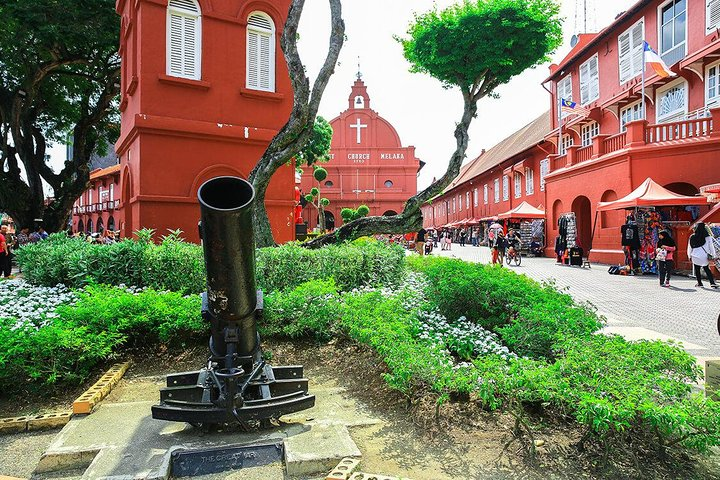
<point x="650" y="194"/>
<point x="713" y="216"/>
<point x="524" y="210"/>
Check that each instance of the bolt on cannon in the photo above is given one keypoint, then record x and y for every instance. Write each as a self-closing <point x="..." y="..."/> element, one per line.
<point x="236" y="385"/>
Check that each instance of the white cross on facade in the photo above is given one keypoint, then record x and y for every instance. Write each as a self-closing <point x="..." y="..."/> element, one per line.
<point x="359" y="127"/>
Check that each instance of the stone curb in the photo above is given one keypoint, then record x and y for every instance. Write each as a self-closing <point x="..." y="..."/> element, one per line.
<point x="93" y="395"/>
<point x="33" y="423"/>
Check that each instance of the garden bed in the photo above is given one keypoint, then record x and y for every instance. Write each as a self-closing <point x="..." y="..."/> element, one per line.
<point x="455" y="342"/>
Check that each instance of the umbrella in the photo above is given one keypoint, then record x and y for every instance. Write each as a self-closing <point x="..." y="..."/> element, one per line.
<point x="495" y="226"/>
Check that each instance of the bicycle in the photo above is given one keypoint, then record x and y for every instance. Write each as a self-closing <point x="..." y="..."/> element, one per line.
<point x="513" y="255"/>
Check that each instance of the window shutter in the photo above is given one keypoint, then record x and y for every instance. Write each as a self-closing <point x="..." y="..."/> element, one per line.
<point x="584" y="83"/>
<point x="183" y="43"/>
<point x="175" y="44"/>
<point x="637" y="49"/>
<point x="594" y="79"/>
<point x="624" y="57"/>
<point x="712" y="15"/>
<point x="252" y="59"/>
<point x="264" y="54"/>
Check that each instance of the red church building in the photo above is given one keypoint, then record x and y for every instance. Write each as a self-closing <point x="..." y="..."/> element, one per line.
<point x="368" y="164"/>
<point x="204" y="89"/>
<point x="96" y="209"/>
<point x="580" y="161"/>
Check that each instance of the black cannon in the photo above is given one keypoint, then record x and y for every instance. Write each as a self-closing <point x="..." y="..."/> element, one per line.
<point x="236" y="385"/>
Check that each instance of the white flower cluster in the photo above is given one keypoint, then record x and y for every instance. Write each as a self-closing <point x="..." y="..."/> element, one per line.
<point x="28" y="304"/>
<point x="461" y="336"/>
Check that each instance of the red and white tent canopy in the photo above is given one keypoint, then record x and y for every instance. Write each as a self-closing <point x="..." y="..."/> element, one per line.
<point x="650" y="194"/>
<point x="524" y="210"/>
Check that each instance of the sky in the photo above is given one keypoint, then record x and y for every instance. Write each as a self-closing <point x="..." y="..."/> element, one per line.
<point x="423" y="113"/>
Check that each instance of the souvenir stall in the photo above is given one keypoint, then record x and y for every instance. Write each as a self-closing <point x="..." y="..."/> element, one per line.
<point x="653" y="208"/>
<point x="530" y="223"/>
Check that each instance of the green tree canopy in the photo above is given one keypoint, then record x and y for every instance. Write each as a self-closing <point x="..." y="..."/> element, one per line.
<point x="486" y="41"/>
<point x="318" y="146"/>
<point x="59" y="75"/>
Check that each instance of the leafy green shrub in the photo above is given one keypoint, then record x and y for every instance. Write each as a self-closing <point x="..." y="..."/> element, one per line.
<point x="352" y="265"/>
<point x="530" y="318"/>
<point x="179" y="266"/>
<point x="308" y="310"/>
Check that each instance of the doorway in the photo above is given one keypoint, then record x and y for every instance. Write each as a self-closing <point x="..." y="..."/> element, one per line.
<point x="582" y="210"/>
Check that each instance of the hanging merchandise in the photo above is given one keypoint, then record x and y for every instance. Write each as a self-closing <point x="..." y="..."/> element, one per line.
<point x="649" y="224"/>
<point x="567" y="226"/>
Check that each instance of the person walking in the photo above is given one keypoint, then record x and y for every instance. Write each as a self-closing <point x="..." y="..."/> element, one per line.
<point x="664" y="257"/>
<point x="474" y="237"/>
<point x="420" y="241"/>
<point x="4" y="257"/>
<point x="701" y="250"/>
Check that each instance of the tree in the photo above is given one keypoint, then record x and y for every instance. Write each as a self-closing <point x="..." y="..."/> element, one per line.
<point x="317" y="147"/>
<point x="314" y="199"/>
<point x="299" y="128"/>
<point x="349" y="214"/>
<point x="474" y="46"/>
<point x="59" y="73"/>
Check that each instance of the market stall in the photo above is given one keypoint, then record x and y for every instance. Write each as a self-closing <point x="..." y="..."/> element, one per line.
<point x="652" y="208"/>
<point x="530" y="223"/>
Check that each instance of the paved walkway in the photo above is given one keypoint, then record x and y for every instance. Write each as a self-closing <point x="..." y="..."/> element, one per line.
<point x="636" y="307"/>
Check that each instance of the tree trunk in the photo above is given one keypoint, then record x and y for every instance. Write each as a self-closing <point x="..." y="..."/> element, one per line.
<point x="410" y="219"/>
<point x="293" y="136"/>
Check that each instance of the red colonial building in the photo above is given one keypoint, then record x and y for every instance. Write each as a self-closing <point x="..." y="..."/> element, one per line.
<point x="581" y="161"/>
<point x="204" y="89"/>
<point x="368" y="164"/>
<point x="95" y="210"/>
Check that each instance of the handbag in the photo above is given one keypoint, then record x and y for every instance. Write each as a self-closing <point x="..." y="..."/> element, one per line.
<point x="661" y="255"/>
<point x="709" y="257"/>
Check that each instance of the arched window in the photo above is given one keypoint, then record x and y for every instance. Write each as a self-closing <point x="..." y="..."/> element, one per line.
<point x="612" y="218"/>
<point x="100" y="227"/>
<point x="388" y="183"/>
<point x="89" y="226"/>
<point x="359" y="102"/>
<point x="556" y="212"/>
<point x="260" y="52"/>
<point x="183" y="39"/>
<point x="111" y="224"/>
<point x="81" y="226"/>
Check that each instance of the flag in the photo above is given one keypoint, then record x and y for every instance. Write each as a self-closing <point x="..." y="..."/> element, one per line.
<point x="650" y="57"/>
<point x="570" y="107"/>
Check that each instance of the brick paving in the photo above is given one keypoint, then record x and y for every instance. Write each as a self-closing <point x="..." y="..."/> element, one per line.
<point x="635" y="306"/>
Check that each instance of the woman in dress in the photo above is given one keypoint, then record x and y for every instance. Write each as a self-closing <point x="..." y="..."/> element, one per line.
<point x="700" y="250"/>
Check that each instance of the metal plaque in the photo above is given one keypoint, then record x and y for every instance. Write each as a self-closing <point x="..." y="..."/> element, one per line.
<point x="188" y="463"/>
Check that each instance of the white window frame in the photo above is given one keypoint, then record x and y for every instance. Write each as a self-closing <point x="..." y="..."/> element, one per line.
<point x="186" y="16"/>
<point x="563" y="91"/>
<point x="506" y="188"/>
<point x="565" y="143"/>
<point x="467" y="199"/>
<point x="454" y="204"/>
<point x="459" y="197"/>
<point x="634" y="53"/>
<point x="712" y="101"/>
<point x="544" y="170"/>
<point x="517" y="187"/>
<point x="636" y="108"/>
<point x="112" y="192"/>
<point x="497" y="190"/>
<point x="475" y="197"/>
<point x="529" y="181"/>
<point x="269" y="34"/>
<point x="661" y="51"/>
<point x="712" y="7"/>
<point x="485" y="194"/>
<point x="589" y="81"/>
<point x="588" y="132"/>
<point x="675" y="115"/>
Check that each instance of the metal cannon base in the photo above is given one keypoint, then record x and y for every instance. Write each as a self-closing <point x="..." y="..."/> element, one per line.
<point x="194" y="397"/>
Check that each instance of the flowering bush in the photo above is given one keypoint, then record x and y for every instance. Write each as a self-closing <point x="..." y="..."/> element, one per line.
<point x="32" y="305"/>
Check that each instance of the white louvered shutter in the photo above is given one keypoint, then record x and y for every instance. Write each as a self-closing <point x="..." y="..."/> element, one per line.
<point x="637" y="49"/>
<point x="585" y="83"/>
<point x="183" y="58"/>
<point x="712" y="15"/>
<point x="624" y="57"/>
<point x="594" y="89"/>
<point x="260" y="53"/>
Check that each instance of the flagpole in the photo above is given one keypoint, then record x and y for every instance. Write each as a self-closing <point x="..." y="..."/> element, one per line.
<point x="560" y="127"/>
<point x="642" y="83"/>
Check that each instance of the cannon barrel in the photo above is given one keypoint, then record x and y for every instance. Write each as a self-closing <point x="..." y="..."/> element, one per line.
<point x="226" y="230"/>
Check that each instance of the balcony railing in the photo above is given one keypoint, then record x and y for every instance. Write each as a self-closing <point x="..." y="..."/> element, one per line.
<point x="615" y="142"/>
<point x="96" y="207"/>
<point x="584" y="153"/>
<point x="666" y="132"/>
